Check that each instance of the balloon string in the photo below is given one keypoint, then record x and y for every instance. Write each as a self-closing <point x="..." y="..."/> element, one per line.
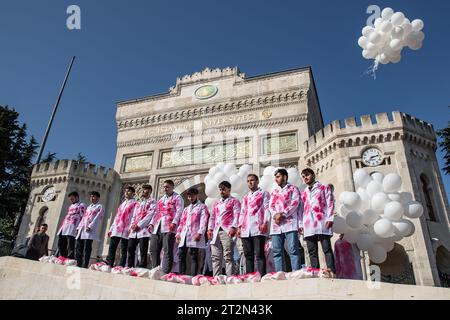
<point x="371" y="71"/>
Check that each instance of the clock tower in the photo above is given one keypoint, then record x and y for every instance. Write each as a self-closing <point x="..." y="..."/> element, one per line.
<point x="50" y="185"/>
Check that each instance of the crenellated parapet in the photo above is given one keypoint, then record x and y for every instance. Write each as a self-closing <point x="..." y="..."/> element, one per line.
<point x="71" y="170"/>
<point x="400" y="126"/>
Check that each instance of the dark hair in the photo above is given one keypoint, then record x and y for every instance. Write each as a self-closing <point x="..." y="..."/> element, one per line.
<point x="130" y="188"/>
<point x="308" y="171"/>
<point x="74" y="193"/>
<point x="253" y="175"/>
<point x="192" y="191"/>
<point x="170" y="182"/>
<point x="44" y="225"/>
<point x="94" y="193"/>
<point x="147" y="186"/>
<point x="281" y="171"/>
<point x="225" y="184"/>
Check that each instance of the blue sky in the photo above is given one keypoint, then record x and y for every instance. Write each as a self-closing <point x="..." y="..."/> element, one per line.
<point x="130" y="49"/>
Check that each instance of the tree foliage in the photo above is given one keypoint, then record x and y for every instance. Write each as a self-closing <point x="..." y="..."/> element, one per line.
<point x="16" y="155"/>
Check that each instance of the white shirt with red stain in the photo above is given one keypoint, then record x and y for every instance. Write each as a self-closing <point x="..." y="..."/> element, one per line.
<point x="142" y="215"/>
<point x="318" y="209"/>
<point x="254" y="213"/>
<point x="91" y="219"/>
<point x="72" y="219"/>
<point x="286" y="201"/>
<point x="168" y="211"/>
<point x="194" y="221"/>
<point x="121" y="225"/>
<point x="225" y="215"/>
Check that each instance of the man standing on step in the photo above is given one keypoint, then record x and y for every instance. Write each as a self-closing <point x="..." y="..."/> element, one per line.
<point x="139" y="234"/>
<point x="164" y="226"/>
<point x="222" y="229"/>
<point x="317" y="219"/>
<point x="68" y="230"/>
<point x="88" y="229"/>
<point x="284" y="202"/>
<point x="254" y="225"/>
<point x="120" y="228"/>
<point x="191" y="232"/>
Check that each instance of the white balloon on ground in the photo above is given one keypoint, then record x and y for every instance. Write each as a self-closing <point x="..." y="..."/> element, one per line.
<point x="393" y="211"/>
<point x="392" y="182"/>
<point x="339" y="225"/>
<point x="377" y="253"/>
<point x="268" y="171"/>
<point x="369" y="217"/>
<point x="406" y="197"/>
<point x="210" y="202"/>
<point x="212" y="190"/>
<point x="395" y="196"/>
<point x="412" y="228"/>
<point x="213" y="170"/>
<point x="351" y="235"/>
<point x="402" y="227"/>
<point x="364" y="241"/>
<point x="374" y="187"/>
<point x="377" y="176"/>
<point x="365" y="199"/>
<point x="352" y="200"/>
<point x="383" y="228"/>
<point x="245" y="169"/>
<point x="379" y="201"/>
<point x="414" y="210"/>
<point x="343" y="210"/>
<point x="354" y="220"/>
<point x="221" y="176"/>
<point x="361" y="178"/>
<point x="388" y="244"/>
<point x="229" y="169"/>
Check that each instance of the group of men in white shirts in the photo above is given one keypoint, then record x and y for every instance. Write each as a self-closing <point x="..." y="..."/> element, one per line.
<point x="161" y="225"/>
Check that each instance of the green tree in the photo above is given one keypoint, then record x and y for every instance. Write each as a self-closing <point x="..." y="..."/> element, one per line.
<point x="50" y="157"/>
<point x="445" y="146"/>
<point x="81" y="157"/>
<point x="16" y="155"/>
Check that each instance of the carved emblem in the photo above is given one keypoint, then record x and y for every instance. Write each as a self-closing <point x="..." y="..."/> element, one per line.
<point x="267" y="114"/>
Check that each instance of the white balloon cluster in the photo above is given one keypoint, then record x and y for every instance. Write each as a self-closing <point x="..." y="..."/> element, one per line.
<point x="267" y="180"/>
<point x="392" y="32"/>
<point x="238" y="179"/>
<point x="226" y="172"/>
<point x="375" y="216"/>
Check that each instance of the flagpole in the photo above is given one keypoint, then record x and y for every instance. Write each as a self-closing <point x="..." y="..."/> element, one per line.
<point x="55" y="107"/>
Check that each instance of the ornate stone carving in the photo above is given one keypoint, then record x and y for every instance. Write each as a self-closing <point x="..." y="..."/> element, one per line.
<point x="206" y="154"/>
<point x="283" y="143"/>
<point x="138" y="163"/>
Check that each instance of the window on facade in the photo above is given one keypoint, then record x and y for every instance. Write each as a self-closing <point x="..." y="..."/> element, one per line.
<point x="427" y="193"/>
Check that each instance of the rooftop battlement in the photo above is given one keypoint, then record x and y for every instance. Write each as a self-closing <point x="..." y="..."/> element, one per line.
<point x="72" y="167"/>
<point x="382" y="121"/>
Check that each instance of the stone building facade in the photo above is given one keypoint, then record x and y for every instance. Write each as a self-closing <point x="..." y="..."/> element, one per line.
<point x="220" y="115"/>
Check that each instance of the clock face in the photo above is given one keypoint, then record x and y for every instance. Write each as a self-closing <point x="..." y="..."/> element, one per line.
<point x="372" y="157"/>
<point x="49" y="194"/>
<point x="206" y="92"/>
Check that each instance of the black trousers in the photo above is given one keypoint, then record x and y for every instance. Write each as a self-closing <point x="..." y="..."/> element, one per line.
<point x="164" y="242"/>
<point x="143" y="248"/>
<point x="83" y="249"/>
<point x="112" y="251"/>
<point x="254" y="248"/>
<point x="313" y="249"/>
<point x="66" y="246"/>
<point x="193" y="253"/>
